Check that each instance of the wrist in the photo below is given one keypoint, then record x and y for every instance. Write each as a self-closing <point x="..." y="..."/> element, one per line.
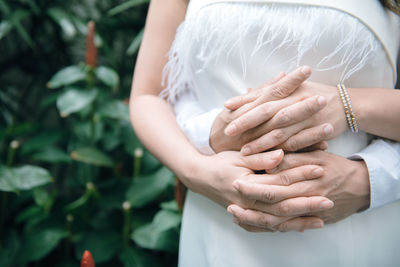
<point x="362" y="184"/>
<point x="362" y="108"/>
<point x="192" y="172"/>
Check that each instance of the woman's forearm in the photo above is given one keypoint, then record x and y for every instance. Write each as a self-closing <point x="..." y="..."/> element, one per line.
<point x="155" y="125"/>
<point x="377" y="111"/>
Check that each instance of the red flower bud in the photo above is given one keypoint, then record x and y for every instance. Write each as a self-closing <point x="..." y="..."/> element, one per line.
<point x="91" y="49"/>
<point x="87" y="259"/>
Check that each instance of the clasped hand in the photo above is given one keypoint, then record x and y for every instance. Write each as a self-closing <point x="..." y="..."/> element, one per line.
<point x="294" y="114"/>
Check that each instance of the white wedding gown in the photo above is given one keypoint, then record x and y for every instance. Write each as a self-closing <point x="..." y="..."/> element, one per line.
<point x="225" y="47"/>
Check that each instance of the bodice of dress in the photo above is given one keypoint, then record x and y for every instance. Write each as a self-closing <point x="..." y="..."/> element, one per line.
<point x="224" y="47"/>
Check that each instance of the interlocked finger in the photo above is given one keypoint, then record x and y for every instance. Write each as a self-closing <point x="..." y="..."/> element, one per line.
<point x="297" y="112"/>
<point x="256" y="218"/>
<point x="255" y="221"/>
<point x="308" y="137"/>
<point x="238" y="101"/>
<point x="273" y="193"/>
<point x="298" y="206"/>
<point x="272" y="139"/>
<point x="300" y="224"/>
<point x="263" y="161"/>
<point x="287" y="177"/>
<point x="256" y="116"/>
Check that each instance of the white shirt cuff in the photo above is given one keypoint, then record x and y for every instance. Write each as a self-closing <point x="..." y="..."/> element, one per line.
<point x="195" y="122"/>
<point x="383" y="162"/>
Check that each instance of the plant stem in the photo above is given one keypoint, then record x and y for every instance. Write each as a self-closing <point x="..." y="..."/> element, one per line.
<point x="126" y="230"/>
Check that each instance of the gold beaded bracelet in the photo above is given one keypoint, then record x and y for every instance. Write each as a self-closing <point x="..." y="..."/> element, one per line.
<point x="348" y="109"/>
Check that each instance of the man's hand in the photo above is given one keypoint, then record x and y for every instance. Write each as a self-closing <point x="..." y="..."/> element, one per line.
<point x="224" y="168"/>
<point x="344" y="181"/>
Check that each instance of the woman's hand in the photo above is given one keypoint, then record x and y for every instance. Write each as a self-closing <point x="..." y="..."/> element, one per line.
<point x="224" y="168"/>
<point x="344" y="181"/>
<point x="291" y="113"/>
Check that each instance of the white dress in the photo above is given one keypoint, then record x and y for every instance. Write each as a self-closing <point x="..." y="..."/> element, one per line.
<point x="224" y="47"/>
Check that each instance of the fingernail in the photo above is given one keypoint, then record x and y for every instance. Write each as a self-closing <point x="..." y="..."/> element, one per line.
<point x="229" y="209"/>
<point x="317" y="172"/>
<point x="229" y="102"/>
<point x="326" y="204"/>
<point x="232" y="209"/>
<point x="328" y="129"/>
<point x="321" y="100"/>
<point x="230" y="130"/>
<point x="306" y="70"/>
<point x="323" y="146"/>
<point x="275" y="155"/>
<point x="245" y="151"/>
<point x="317" y="225"/>
<point x="236" y="185"/>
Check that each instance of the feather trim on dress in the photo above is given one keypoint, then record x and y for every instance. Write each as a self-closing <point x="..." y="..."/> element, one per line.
<point x="219" y="29"/>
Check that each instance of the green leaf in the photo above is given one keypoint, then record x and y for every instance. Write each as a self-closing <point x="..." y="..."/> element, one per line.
<point x="67" y="76"/>
<point x="9" y="180"/>
<point x="115" y="109"/>
<point x="125" y="6"/>
<point x="170" y="205"/>
<point x="134" y="46"/>
<point x="40" y="141"/>
<point x="63" y="19"/>
<point x="29" y="212"/>
<point x="5" y="28"/>
<point x="146" y="189"/>
<point x="77" y="203"/>
<point x="133" y="257"/>
<point x="148" y="237"/>
<point x="41" y="242"/>
<point x="166" y="220"/>
<point x="92" y="156"/>
<point x="74" y="100"/>
<point x="43" y="198"/>
<point x="16" y="19"/>
<point x="102" y="244"/>
<point x="32" y="176"/>
<point x="51" y="154"/>
<point x="108" y="76"/>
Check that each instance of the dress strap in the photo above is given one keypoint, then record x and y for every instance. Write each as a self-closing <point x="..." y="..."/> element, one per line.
<point x="382" y="22"/>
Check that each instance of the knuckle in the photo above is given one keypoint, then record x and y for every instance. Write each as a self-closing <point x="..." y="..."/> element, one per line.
<point x="268" y="195"/>
<point x="264" y="221"/>
<point x="283" y="117"/>
<point x="279" y="135"/>
<point x="283" y="209"/>
<point x="308" y="206"/>
<point x="292" y="144"/>
<point x="265" y="110"/>
<point x="284" y="178"/>
<point x="310" y="107"/>
<point x="283" y="227"/>
<point x="278" y="91"/>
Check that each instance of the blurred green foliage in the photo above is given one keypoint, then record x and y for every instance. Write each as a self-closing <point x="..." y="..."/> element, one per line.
<point x="73" y="175"/>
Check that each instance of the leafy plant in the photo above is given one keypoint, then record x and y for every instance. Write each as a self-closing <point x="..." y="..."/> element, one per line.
<point x="74" y="176"/>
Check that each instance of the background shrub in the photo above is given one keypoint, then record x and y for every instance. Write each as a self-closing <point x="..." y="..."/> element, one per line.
<point x="73" y="175"/>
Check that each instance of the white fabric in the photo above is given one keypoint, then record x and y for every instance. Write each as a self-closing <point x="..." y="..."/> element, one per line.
<point x="233" y="46"/>
<point x="383" y="162"/>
